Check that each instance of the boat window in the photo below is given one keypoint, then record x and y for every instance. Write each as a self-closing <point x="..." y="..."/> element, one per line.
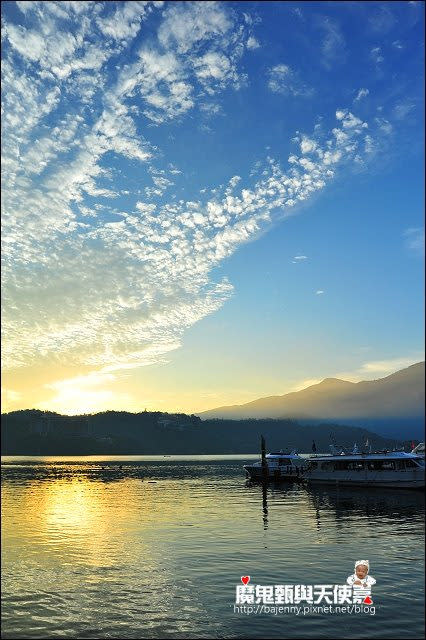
<point x="284" y="461"/>
<point x="406" y="464"/>
<point x="327" y="466"/>
<point x="341" y="465"/>
<point x="313" y="465"/>
<point x="410" y="464"/>
<point x="348" y="465"/>
<point x="381" y="465"/>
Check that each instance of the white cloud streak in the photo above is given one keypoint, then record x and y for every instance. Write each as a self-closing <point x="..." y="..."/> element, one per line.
<point x="415" y="239"/>
<point x="282" y="79"/>
<point x="333" y="46"/>
<point x="362" y="93"/>
<point x="377" y="55"/>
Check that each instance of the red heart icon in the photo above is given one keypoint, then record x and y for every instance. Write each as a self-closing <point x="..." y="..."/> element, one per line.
<point x="245" y="579"/>
<point x="368" y="600"/>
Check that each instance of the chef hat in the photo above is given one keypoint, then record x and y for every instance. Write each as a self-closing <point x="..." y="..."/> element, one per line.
<point x="358" y="562"/>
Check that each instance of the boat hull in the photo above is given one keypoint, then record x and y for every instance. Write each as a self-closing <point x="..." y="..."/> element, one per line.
<point x="393" y="484"/>
<point x="256" y="473"/>
<point x="397" y="480"/>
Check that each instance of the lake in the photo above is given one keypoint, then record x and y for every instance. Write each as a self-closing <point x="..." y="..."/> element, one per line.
<point x="156" y="548"/>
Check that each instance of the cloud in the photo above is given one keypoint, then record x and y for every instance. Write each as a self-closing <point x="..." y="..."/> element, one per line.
<point x="124" y="23"/>
<point x="362" y="93"/>
<point x="211" y="108"/>
<point x="307" y="145"/>
<point x="386" y="367"/>
<point x="162" y="84"/>
<point x="282" y="79"/>
<point x="376" y="55"/>
<point x="187" y="24"/>
<point x="297" y="11"/>
<point x="303" y="384"/>
<point x="100" y="272"/>
<point x="348" y="119"/>
<point x="297" y="259"/>
<point x="252" y="43"/>
<point x="161" y="184"/>
<point x="121" y="293"/>
<point x="415" y="239"/>
<point x="58" y="53"/>
<point x="403" y="109"/>
<point x="381" y="20"/>
<point x="214" y="70"/>
<point x="333" y="46"/>
<point x="319" y="292"/>
<point x="375" y="369"/>
<point x="384" y="125"/>
<point x="10" y="398"/>
<point x="197" y="54"/>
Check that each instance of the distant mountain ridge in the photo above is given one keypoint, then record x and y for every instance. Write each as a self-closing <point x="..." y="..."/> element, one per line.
<point x="387" y="406"/>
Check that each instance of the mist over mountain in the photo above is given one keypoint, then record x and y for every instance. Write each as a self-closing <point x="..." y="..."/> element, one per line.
<point x="392" y="406"/>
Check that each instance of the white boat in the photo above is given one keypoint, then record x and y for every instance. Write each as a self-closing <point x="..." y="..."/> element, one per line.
<point x="380" y="469"/>
<point x="279" y="466"/>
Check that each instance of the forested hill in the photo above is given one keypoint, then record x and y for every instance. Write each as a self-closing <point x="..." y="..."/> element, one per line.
<point x="33" y="432"/>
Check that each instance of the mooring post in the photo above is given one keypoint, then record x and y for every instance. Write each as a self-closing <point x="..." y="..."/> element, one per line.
<point x="265" y="504"/>
<point x="264" y="462"/>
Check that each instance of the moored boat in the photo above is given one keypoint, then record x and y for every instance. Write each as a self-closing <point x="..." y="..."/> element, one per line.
<point x="277" y="466"/>
<point x="395" y="469"/>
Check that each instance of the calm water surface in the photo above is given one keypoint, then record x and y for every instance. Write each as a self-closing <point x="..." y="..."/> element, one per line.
<point x="156" y="548"/>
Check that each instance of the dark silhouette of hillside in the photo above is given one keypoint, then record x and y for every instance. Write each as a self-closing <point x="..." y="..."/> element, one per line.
<point x="33" y="432"/>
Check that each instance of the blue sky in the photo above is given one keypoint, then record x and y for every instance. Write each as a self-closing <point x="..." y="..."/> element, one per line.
<point x="208" y="202"/>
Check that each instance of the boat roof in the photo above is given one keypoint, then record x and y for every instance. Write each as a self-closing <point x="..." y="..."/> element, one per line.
<point x="420" y="447"/>
<point x="379" y="455"/>
<point x="280" y="454"/>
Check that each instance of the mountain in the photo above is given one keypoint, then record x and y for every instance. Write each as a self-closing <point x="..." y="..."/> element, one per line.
<point x="392" y="406"/>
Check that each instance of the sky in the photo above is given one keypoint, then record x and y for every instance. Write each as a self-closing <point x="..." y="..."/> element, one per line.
<point x="205" y="203"/>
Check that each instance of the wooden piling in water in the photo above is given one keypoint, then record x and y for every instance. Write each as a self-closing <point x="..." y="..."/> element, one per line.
<point x="264" y="462"/>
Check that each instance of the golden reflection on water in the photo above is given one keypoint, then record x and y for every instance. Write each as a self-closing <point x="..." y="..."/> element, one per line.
<point x="74" y="532"/>
<point x="71" y="505"/>
<point x="79" y="516"/>
<point x="80" y="519"/>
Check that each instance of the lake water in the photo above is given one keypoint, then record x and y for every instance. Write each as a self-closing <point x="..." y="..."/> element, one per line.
<point x="155" y="550"/>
